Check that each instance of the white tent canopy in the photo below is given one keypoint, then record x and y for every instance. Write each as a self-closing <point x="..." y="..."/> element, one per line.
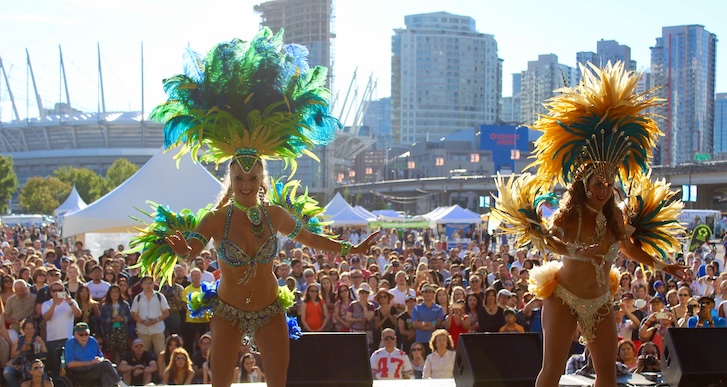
<point x="365" y="213"/>
<point x="453" y="214"/>
<point x="336" y="204"/>
<point x="389" y="214"/>
<point x="190" y="186"/>
<point x="72" y="203"/>
<point x="349" y="217"/>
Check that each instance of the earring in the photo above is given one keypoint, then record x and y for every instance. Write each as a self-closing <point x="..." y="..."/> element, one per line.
<point x="589" y="194"/>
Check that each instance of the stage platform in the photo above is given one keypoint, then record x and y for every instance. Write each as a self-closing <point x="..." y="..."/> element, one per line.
<point x="565" y="381"/>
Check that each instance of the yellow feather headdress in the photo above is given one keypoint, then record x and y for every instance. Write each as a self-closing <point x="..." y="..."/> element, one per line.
<point x="600" y="124"/>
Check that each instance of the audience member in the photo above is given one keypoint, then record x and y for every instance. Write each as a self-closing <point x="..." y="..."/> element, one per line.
<point x="139" y="367"/>
<point x="440" y="362"/>
<point x="83" y="356"/>
<point x="390" y="362"/>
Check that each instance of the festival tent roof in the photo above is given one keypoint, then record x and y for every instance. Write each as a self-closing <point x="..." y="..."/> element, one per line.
<point x="365" y="213"/>
<point x="390" y="214"/>
<point x="336" y="204"/>
<point x="159" y="180"/>
<point x="72" y="203"/>
<point x="348" y="217"/>
<point x="454" y="214"/>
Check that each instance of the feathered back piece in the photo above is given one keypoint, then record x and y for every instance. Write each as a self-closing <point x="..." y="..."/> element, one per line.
<point x="653" y="210"/>
<point x="601" y="123"/>
<point x="518" y="207"/>
<point x="248" y="102"/>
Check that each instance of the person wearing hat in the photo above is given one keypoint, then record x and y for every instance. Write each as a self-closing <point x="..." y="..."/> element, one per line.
<point x="427" y="316"/>
<point x="704" y="318"/>
<point x="361" y="312"/>
<point x="138" y="367"/>
<point x="654" y="326"/>
<point x="385" y="314"/>
<point x="84" y="357"/>
<point x="630" y="318"/>
<point x="406" y="332"/>
<point x="660" y="289"/>
<point x="511" y="324"/>
<point x="503" y="296"/>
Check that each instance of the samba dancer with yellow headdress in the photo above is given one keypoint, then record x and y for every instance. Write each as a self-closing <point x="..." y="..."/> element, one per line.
<point x="595" y="135"/>
<point x="242" y="104"/>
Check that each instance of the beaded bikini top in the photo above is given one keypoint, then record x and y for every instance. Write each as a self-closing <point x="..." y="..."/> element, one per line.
<point x="233" y="255"/>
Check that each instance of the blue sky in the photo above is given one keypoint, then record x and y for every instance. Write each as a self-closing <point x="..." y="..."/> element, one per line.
<point x="523" y="29"/>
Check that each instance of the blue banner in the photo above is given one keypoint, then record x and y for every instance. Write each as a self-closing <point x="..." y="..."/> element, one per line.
<point x="456" y="231"/>
<point x="505" y="141"/>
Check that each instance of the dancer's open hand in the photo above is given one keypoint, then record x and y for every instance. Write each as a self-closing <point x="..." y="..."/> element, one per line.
<point x="178" y="244"/>
<point x="676" y="270"/>
<point x="369" y="242"/>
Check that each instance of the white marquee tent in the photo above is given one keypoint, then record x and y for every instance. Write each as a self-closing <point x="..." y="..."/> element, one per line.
<point x="349" y="217"/>
<point x="159" y="180"/>
<point x="453" y="214"/>
<point x="335" y="206"/>
<point x="72" y="203"/>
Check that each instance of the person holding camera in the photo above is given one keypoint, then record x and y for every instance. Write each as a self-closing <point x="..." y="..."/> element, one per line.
<point x="628" y="318"/>
<point x="653" y="328"/>
<point x="649" y="359"/>
<point x="58" y="313"/>
<point x="703" y="317"/>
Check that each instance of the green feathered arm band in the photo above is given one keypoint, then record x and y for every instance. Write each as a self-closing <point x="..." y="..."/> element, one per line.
<point x="304" y="208"/>
<point x="157" y="257"/>
<point x="517" y="206"/>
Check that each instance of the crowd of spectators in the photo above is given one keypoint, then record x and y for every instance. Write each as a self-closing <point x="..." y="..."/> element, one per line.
<point x="412" y="295"/>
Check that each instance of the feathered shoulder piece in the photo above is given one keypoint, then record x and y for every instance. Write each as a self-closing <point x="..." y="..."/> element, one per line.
<point x="157" y="258"/>
<point x="652" y="209"/>
<point x="303" y="207"/>
<point x="601" y="124"/>
<point x="247" y="101"/>
<point x="517" y="205"/>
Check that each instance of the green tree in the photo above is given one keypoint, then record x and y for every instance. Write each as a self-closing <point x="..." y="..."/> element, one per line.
<point x="8" y="182"/>
<point x="119" y="172"/>
<point x="89" y="184"/>
<point x="42" y="195"/>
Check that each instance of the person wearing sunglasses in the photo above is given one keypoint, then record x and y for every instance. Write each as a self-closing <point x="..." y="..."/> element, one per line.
<point x="390" y="362"/>
<point x="36" y="375"/>
<point x="704" y="318"/>
<point x="84" y="357"/>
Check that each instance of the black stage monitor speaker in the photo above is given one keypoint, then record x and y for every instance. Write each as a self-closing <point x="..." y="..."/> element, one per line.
<point x="498" y="359"/>
<point x="311" y="364"/>
<point x="695" y="357"/>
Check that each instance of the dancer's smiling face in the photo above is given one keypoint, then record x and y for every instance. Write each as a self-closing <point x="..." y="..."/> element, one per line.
<point x="600" y="192"/>
<point x="246" y="186"/>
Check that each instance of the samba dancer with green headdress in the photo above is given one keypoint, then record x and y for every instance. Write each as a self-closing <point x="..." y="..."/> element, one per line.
<point x="243" y="104"/>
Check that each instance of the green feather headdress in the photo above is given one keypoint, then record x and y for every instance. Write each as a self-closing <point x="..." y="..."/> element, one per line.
<point x="248" y="102"/>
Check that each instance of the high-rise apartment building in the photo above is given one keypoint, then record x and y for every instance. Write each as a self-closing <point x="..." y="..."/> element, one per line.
<point x="511" y="105"/>
<point x="306" y="22"/>
<point x="606" y="51"/>
<point x="720" y="123"/>
<point x="538" y="83"/>
<point x="445" y="77"/>
<point x="683" y="67"/>
<point x="378" y="118"/>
